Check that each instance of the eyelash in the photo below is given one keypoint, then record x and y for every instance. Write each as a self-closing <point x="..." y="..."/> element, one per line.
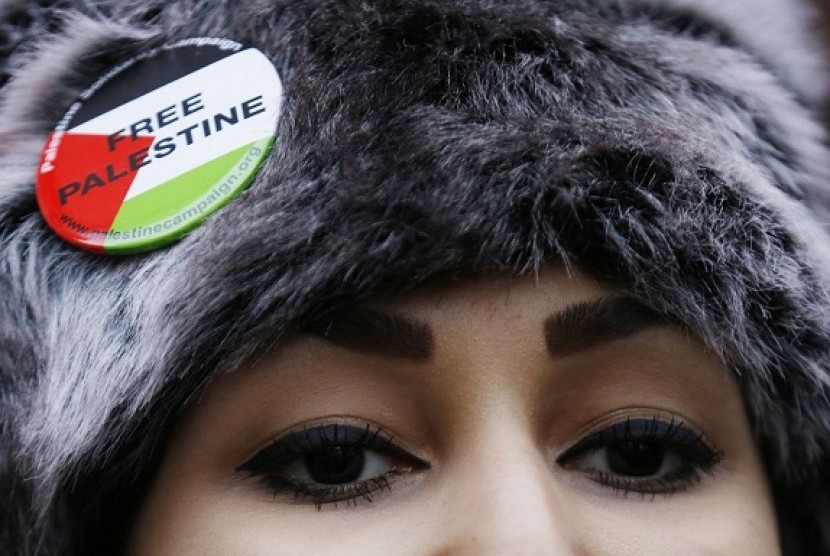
<point x="271" y="462"/>
<point x="694" y="453"/>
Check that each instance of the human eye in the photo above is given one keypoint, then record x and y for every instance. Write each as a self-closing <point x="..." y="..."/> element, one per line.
<point x="332" y="463"/>
<point x="648" y="456"/>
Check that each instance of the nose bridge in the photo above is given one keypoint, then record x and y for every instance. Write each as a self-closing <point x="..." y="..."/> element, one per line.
<point x="503" y="501"/>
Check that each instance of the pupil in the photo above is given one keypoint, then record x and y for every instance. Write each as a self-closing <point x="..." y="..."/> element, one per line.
<point x="336" y="465"/>
<point x="636" y="459"/>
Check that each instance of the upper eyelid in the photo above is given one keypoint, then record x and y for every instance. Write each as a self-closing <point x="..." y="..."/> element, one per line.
<point x="591" y="439"/>
<point x="635" y="412"/>
<point x="290" y="442"/>
<point x="296" y="442"/>
<point x="318" y="421"/>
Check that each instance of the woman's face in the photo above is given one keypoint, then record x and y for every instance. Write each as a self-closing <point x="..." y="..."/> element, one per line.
<point x="499" y="416"/>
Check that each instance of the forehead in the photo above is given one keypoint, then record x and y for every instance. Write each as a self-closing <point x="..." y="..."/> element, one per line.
<point x="550" y="290"/>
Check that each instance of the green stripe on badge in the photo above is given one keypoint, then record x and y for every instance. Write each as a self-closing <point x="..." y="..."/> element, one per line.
<point x="180" y="204"/>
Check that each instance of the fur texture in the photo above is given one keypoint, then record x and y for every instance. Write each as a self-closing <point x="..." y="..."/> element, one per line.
<point x="666" y="148"/>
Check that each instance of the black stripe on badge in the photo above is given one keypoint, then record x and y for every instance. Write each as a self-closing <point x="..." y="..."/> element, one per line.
<point x="148" y="75"/>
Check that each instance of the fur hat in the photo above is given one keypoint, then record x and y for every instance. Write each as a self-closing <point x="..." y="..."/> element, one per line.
<point x="667" y="148"/>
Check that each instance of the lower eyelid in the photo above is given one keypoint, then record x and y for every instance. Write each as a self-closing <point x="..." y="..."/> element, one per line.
<point x="347" y="495"/>
<point x="646" y="489"/>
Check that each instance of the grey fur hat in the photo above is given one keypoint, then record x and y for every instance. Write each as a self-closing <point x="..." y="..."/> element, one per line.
<point x="667" y="148"/>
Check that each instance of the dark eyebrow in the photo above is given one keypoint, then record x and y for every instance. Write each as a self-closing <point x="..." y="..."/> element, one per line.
<point x="590" y="323"/>
<point x="366" y="330"/>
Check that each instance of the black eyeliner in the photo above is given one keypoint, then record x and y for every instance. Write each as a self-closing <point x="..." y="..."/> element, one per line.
<point x="674" y="432"/>
<point x="696" y="454"/>
<point x="268" y="462"/>
<point x="299" y="443"/>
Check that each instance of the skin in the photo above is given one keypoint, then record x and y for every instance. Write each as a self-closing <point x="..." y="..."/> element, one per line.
<point x="491" y="408"/>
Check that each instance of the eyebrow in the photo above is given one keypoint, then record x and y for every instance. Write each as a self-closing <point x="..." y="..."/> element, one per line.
<point x="366" y="330"/>
<point x="590" y="323"/>
<point x="576" y="328"/>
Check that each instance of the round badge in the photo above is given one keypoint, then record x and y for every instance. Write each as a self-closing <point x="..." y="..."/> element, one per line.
<point x="158" y="144"/>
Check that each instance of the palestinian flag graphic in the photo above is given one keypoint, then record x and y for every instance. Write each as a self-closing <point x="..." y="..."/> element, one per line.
<point x="158" y="144"/>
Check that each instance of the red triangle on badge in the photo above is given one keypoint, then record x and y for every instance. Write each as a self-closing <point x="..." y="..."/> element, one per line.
<point x="88" y="182"/>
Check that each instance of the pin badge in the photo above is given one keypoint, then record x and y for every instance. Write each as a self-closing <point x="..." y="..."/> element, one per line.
<point x="158" y="144"/>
